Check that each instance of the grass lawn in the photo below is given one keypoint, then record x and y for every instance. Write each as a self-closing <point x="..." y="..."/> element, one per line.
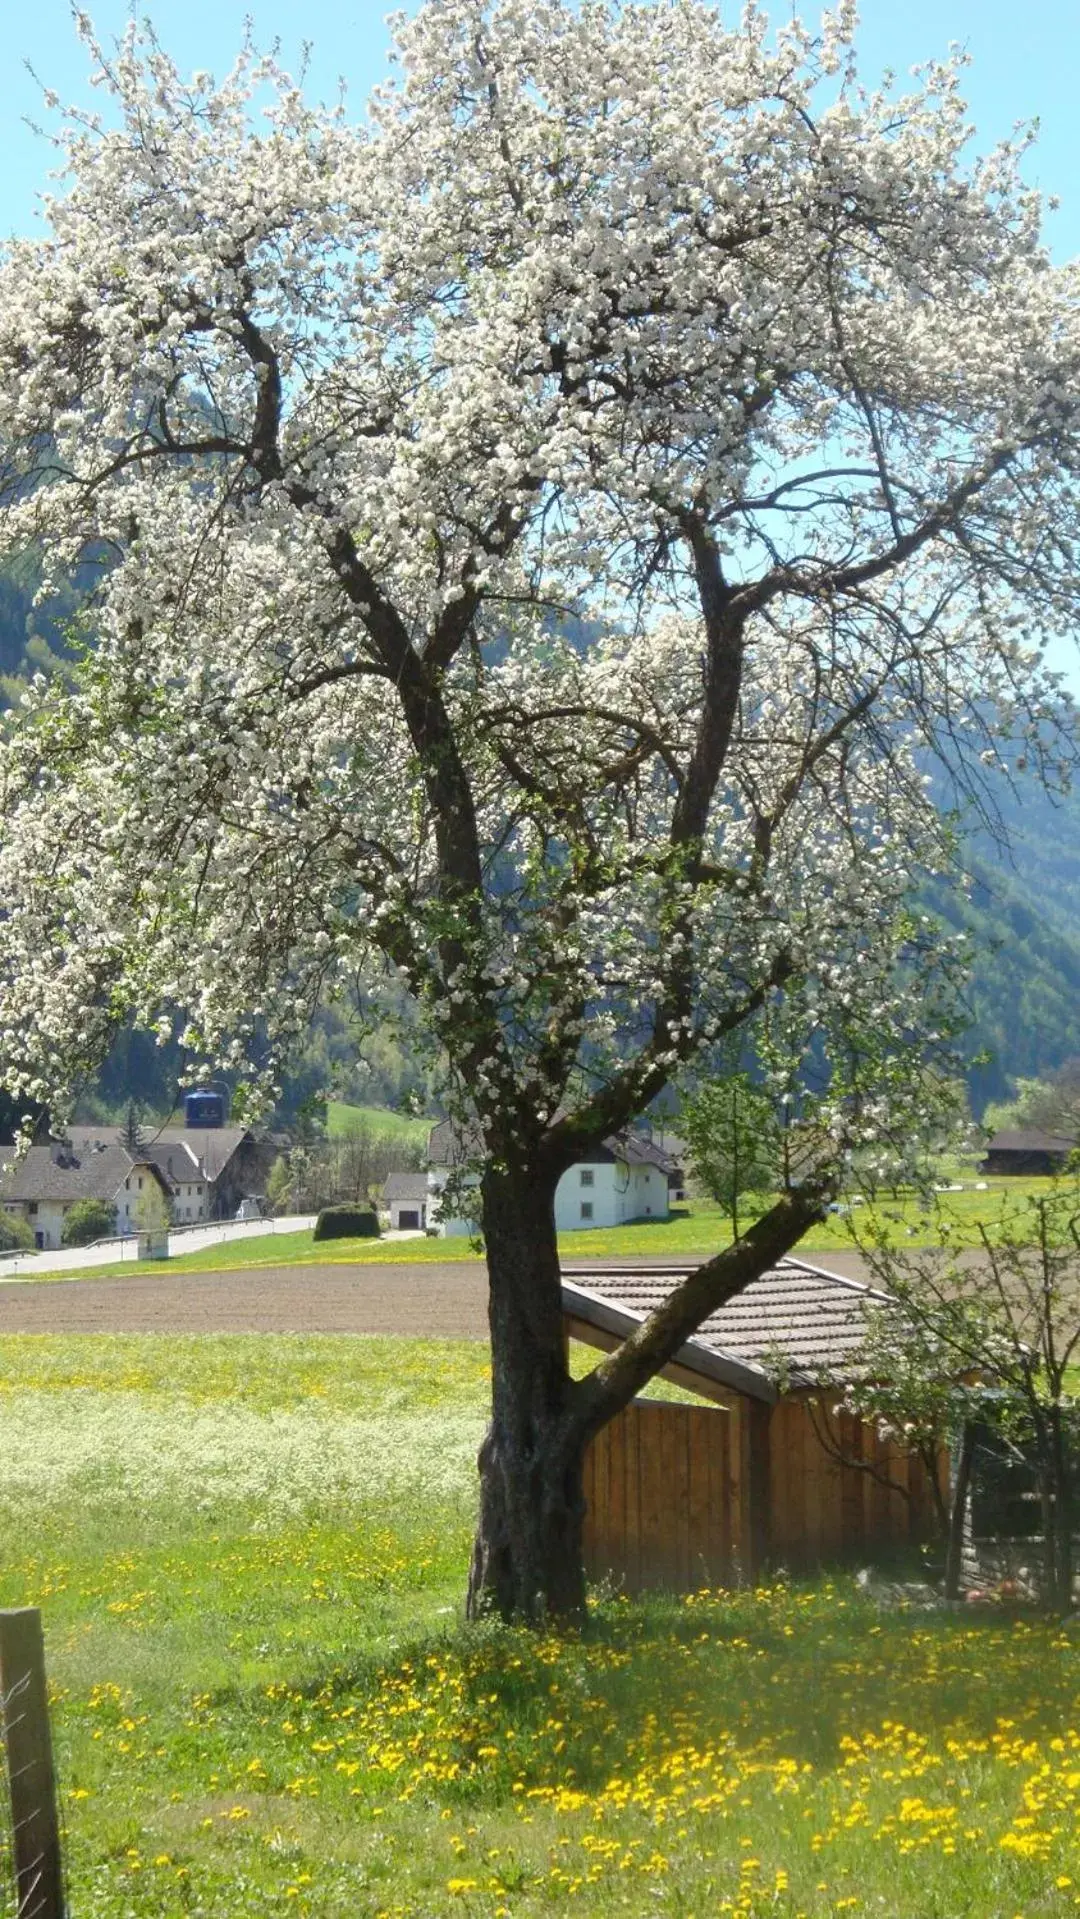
<point x="342" y="1119"/>
<point x="693" y="1231"/>
<point x="250" y="1554"/>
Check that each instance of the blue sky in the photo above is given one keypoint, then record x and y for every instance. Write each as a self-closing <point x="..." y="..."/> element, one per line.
<point x="1025" y="66"/>
<point x="1026" y="63"/>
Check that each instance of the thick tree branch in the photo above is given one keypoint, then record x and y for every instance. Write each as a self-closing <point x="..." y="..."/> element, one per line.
<point x="614" y="1382"/>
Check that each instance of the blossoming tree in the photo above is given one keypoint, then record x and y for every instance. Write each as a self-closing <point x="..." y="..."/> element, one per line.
<point x="538" y="530"/>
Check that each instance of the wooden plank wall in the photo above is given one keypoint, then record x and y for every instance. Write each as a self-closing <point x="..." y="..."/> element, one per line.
<point x="681" y="1497"/>
<point x="825" y="1508"/>
<point x="661" y="1492"/>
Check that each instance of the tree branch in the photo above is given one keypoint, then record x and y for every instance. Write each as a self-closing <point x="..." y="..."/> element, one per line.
<point x="612" y="1384"/>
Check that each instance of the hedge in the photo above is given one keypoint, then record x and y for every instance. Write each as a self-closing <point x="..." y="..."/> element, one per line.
<point x="347" y="1222"/>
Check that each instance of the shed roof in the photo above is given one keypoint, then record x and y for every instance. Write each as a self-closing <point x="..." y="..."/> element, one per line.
<point x="406" y="1186"/>
<point x="1029" y="1140"/>
<point x="635" y="1150"/>
<point x="176" y="1162"/>
<point x="807" y="1318"/>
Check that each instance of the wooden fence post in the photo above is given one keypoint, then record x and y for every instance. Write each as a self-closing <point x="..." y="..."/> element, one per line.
<point x="39" y="1875"/>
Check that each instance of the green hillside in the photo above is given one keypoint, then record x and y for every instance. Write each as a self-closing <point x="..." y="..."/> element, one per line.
<point x="343" y="1119"/>
<point x="1023" y="915"/>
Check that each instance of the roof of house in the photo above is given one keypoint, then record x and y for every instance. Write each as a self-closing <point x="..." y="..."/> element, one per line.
<point x="450" y="1145"/>
<point x="211" y="1146"/>
<point x="800" y="1317"/>
<point x="97" y="1172"/>
<point x="635" y="1150"/>
<point x="407" y="1186"/>
<point x="1029" y="1140"/>
<point x="178" y="1163"/>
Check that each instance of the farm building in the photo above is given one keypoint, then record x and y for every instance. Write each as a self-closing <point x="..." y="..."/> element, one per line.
<point x="212" y="1169"/>
<point x="1025" y="1151"/>
<point x="47" y="1181"/>
<point x="405" y="1196"/>
<point x="626" y="1178"/>
<point x="683" y="1496"/>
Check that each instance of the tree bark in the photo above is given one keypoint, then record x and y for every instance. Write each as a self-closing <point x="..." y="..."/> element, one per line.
<point x="958" y="1511"/>
<point x="1060" y="1514"/>
<point x="527" y="1557"/>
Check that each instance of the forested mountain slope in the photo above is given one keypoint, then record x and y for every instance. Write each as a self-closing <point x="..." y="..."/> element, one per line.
<point x="1023" y="915"/>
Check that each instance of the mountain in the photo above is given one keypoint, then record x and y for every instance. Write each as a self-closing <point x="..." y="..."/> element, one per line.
<point x="1023" y="915"/>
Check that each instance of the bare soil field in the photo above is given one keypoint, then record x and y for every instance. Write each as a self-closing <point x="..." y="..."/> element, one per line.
<point x="437" y="1301"/>
<point x="426" y="1300"/>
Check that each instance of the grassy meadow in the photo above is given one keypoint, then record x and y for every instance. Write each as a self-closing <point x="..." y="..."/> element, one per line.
<point x="380" y="1121"/>
<point x="250" y="1553"/>
<point x="693" y="1231"/>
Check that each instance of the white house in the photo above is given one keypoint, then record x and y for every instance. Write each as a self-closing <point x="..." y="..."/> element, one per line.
<point x="43" y="1186"/>
<point x="627" y="1178"/>
<point x="406" y="1196"/>
<point x="212" y="1168"/>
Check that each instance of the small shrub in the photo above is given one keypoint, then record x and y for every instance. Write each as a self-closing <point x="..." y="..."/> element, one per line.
<point x="87" y="1220"/>
<point x="15" y="1233"/>
<point x="347" y="1222"/>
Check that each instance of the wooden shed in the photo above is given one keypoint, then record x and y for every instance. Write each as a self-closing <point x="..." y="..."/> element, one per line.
<point x="683" y="1496"/>
<point x="1026" y="1152"/>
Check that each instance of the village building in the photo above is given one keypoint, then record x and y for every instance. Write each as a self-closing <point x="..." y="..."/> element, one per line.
<point x="47" y="1182"/>
<point x="1026" y="1151"/>
<point x="764" y="1472"/>
<point x="405" y="1196"/>
<point x="627" y="1178"/>
<point x="213" y="1168"/>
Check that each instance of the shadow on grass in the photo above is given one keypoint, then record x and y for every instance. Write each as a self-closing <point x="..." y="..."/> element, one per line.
<point x="792" y="1672"/>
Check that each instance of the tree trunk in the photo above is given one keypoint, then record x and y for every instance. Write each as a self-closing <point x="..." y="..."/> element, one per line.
<point x="527" y="1557"/>
<point x="954" y="1556"/>
<point x="1061" y="1516"/>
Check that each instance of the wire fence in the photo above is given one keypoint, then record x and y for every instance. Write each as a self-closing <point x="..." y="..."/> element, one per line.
<point x="9" y="1896"/>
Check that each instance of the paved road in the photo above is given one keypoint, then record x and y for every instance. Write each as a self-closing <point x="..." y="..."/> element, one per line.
<point x="448" y="1301"/>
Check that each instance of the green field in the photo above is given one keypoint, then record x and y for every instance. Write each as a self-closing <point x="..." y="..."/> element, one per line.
<point x="693" y="1231"/>
<point x="342" y="1119"/>
<point x="250" y="1554"/>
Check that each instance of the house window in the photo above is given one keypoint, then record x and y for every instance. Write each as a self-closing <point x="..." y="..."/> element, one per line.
<point x="32" y="1208"/>
<point x="586" y="1209"/>
<point x="587" y="1177"/>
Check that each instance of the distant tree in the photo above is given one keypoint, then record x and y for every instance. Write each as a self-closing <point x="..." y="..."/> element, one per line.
<point x="730" y="1126"/>
<point x="15" y="1233"/>
<point x="152" y="1212"/>
<point x="1050" y="1104"/>
<point x="279" y="1185"/>
<point x="1009" y="1321"/>
<point x="87" y="1220"/>
<point x="319" y="1172"/>
<point x="132" y="1135"/>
